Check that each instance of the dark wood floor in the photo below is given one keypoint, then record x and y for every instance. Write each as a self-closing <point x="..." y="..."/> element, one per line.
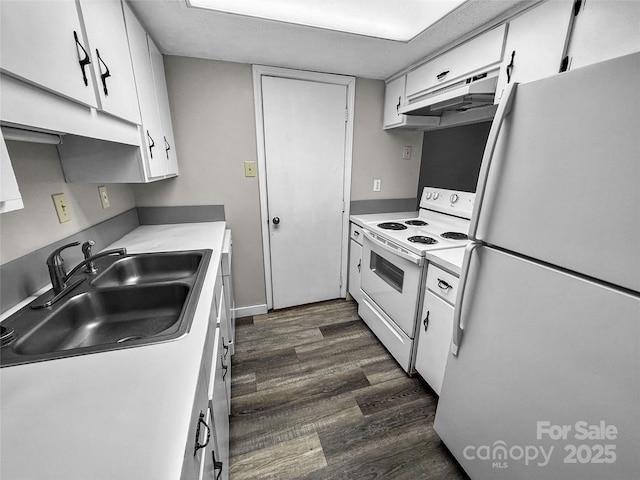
<point x="315" y="396"/>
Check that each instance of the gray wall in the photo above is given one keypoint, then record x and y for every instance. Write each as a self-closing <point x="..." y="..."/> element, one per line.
<point x="39" y="174"/>
<point x="214" y="126"/>
<point x="214" y="129"/>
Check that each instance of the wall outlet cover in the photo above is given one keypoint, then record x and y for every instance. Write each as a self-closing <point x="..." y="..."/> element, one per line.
<point x="376" y="184"/>
<point x="249" y="169"/>
<point x="406" y="153"/>
<point x="104" y="197"/>
<point x="62" y="209"/>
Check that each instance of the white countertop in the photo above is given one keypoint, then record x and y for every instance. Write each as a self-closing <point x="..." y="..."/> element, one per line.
<point x="449" y="258"/>
<point x="113" y="415"/>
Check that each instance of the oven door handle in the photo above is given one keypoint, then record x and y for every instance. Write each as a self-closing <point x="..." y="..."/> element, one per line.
<point x="407" y="256"/>
<point x="458" y="328"/>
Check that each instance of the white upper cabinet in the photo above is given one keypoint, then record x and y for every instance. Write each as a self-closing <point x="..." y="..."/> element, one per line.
<point x="536" y="42"/>
<point x="111" y="62"/>
<point x="394" y="98"/>
<point x="474" y="57"/>
<point x="42" y="43"/>
<point x="10" y="198"/>
<point x="162" y="97"/>
<point x="142" y="47"/>
<point x="604" y="30"/>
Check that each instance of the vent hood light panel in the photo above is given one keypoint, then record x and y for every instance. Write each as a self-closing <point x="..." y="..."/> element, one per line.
<point x="398" y="20"/>
<point x="466" y="96"/>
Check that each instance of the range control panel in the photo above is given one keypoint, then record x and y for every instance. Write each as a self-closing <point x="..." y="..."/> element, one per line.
<point x="452" y="202"/>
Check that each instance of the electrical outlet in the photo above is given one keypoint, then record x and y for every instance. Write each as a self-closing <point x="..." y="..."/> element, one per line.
<point x="60" y="202"/>
<point x="104" y="197"/>
<point x="249" y="169"/>
<point x="406" y="153"/>
<point x="376" y="184"/>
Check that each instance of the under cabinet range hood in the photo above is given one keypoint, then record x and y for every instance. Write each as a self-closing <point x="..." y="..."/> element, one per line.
<point x="469" y="94"/>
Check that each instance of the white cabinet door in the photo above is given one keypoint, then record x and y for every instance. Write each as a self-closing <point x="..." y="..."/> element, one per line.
<point x="42" y="43"/>
<point x="162" y="97"/>
<point x="434" y="339"/>
<point x="355" y="266"/>
<point x="394" y="98"/>
<point x="225" y="356"/>
<point x="604" y="30"/>
<point x="476" y="56"/>
<point x="10" y="198"/>
<point x="111" y="61"/>
<point x="535" y="44"/>
<point x="217" y="458"/>
<point x="154" y="154"/>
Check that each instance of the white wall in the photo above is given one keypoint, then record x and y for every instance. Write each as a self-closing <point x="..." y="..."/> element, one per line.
<point x="39" y="175"/>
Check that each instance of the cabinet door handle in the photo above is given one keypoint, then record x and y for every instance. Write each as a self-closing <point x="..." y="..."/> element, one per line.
<point x="167" y="147"/>
<point x="441" y="75"/>
<point x="425" y="322"/>
<point x="216" y="464"/>
<point x="151" y="144"/>
<point x="224" y="367"/>
<point x="82" y="61"/>
<point x="199" y="445"/>
<point x="443" y="285"/>
<point x="360" y="266"/>
<point x="398" y="105"/>
<point x="105" y="75"/>
<point x="226" y="349"/>
<point x="509" y="67"/>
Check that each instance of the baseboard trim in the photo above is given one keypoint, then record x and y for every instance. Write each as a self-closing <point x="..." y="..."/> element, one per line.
<point x="250" y="310"/>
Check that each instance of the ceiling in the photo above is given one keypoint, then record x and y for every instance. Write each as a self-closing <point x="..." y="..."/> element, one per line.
<point x="192" y="32"/>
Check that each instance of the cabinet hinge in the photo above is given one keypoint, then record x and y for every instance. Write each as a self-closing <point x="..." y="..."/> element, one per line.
<point x="343" y="207"/>
<point x="340" y="281"/>
<point x="346" y="114"/>
<point x="577" y="5"/>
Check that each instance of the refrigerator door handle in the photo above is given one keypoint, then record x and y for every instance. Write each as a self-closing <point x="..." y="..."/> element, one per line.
<point x="504" y="108"/>
<point x="457" y="313"/>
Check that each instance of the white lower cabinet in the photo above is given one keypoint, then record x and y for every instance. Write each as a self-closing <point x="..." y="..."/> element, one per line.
<point x="435" y="329"/>
<point x="355" y="262"/>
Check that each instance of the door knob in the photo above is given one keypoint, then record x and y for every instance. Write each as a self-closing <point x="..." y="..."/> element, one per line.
<point x="276" y="220"/>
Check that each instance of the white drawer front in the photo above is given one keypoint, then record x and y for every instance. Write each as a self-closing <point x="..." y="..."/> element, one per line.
<point x="394" y="339"/>
<point x="470" y="58"/>
<point x="356" y="233"/>
<point x="443" y="284"/>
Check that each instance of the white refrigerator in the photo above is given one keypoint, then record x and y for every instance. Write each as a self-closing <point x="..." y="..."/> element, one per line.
<point x="543" y="378"/>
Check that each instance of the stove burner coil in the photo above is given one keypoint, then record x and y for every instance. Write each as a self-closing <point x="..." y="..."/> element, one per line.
<point x="392" y="226"/>
<point x="422" y="239"/>
<point x="454" y="236"/>
<point x="416" y="223"/>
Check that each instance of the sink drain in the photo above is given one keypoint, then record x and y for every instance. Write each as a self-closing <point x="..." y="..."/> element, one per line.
<point x="128" y="339"/>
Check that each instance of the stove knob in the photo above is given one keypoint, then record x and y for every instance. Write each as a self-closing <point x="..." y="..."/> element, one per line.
<point x="435" y="195"/>
<point x="453" y="198"/>
<point x="427" y="195"/>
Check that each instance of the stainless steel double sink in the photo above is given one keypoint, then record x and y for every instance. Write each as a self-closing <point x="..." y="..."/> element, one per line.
<point x="133" y="300"/>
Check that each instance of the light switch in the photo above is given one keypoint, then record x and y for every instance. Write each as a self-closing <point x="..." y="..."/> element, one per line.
<point x="249" y="169"/>
<point x="376" y="184"/>
<point x="104" y="197"/>
<point x="60" y="202"/>
<point x="406" y="153"/>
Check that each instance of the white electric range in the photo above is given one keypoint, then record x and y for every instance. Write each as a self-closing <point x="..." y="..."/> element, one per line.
<point x="394" y="265"/>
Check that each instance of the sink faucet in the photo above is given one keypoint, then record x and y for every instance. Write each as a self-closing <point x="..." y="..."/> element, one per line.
<point x="55" y="263"/>
<point x="60" y="277"/>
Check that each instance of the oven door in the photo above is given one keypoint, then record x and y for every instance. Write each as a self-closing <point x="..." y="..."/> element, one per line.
<point x="392" y="279"/>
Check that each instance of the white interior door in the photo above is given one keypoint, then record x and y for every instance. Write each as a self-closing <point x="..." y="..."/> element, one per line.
<point x="305" y="144"/>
